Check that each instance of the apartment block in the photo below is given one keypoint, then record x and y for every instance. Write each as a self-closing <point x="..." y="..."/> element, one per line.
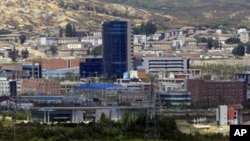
<point x="214" y="92"/>
<point x="9" y="87"/>
<point x="40" y="87"/>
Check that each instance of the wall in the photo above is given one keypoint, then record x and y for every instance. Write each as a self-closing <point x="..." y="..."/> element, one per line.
<point x="54" y="64"/>
<point x="40" y="87"/>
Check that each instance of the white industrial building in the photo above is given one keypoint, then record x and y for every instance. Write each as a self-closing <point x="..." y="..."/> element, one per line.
<point x="164" y="64"/>
<point x="9" y="87"/>
<point x="244" y="37"/>
<point x="229" y="114"/>
<point x="75" y="45"/>
<point x="94" y="41"/>
<point x="140" y="39"/>
<point x="66" y="40"/>
<point x="48" y="41"/>
<point x="173" y="33"/>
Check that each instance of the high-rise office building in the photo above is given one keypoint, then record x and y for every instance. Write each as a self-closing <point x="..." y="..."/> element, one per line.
<point x="117" y="47"/>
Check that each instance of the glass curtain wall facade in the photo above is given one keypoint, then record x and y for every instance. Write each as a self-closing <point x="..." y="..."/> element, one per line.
<point x="92" y="67"/>
<point x="117" y="48"/>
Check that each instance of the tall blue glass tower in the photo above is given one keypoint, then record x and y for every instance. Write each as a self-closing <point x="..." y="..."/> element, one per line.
<point x="117" y="47"/>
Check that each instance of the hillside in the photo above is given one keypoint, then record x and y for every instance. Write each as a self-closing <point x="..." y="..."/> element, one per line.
<point x="33" y="53"/>
<point x="89" y="14"/>
<point x="86" y="13"/>
<point x="196" y="12"/>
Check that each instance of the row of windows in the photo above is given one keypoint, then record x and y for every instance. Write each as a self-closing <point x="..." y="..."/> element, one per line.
<point x="68" y="86"/>
<point x="175" y="96"/>
<point x="177" y="100"/>
<point x="169" y="61"/>
<point x="7" y="92"/>
<point x="163" y="63"/>
<point x="1" y="87"/>
<point x="168" y="67"/>
<point x="18" y="83"/>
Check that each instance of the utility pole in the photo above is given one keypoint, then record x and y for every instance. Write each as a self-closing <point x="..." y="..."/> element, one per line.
<point x="151" y="128"/>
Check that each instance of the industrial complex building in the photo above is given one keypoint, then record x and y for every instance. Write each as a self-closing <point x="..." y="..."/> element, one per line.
<point x="213" y="92"/>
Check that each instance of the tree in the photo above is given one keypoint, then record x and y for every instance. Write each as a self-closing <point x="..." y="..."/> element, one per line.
<point x="71" y="76"/>
<point x="72" y="52"/>
<point x="211" y="43"/>
<point x="233" y="41"/>
<point x="73" y="31"/>
<point x="22" y="38"/>
<point x="96" y="51"/>
<point x="14" y="54"/>
<point x="29" y="27"/>
<point x="68" y="30"/>
<point x="4" y="31"/>
<point x="60" y="32"/>
<point x="53" y="50"/>
<point x="169" y="127"/>
<point x="148" y="28"/>
<point x="201" y="39"/>
<point x="248" y="48"/>
<point x="88" y="52"/>
<point x="239" y="50"/>
<point x="25" y="53"/>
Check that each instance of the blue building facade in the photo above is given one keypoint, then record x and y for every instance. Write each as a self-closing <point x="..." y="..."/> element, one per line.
<point x="92" y="67"/>
<point x="35" y="69"/>
<point x="58" y="73"/>
<point x="117" y="47"/>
